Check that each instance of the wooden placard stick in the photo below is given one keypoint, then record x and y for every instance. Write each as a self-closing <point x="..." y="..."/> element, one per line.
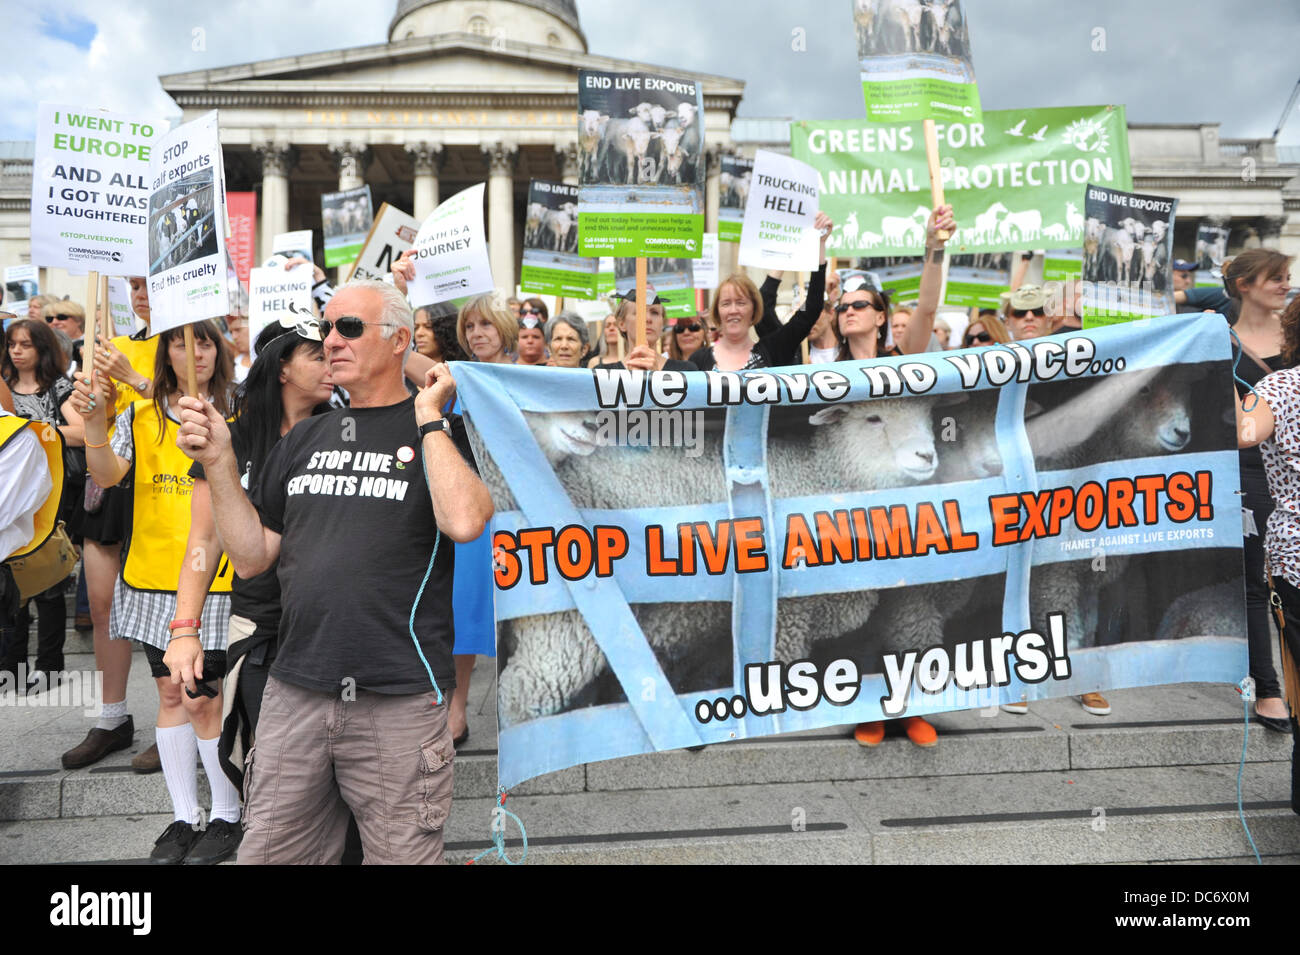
<point x="936" y="174"/>
<point x="191" y="377"/>
<point x="559" y="304"/>
<point x="640" y="301"/>
<point x="88" y="341"/>
<point x="109" y="327"/>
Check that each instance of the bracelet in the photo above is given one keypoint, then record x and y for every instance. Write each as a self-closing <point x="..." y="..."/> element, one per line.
<point x="104" y="445"/>
<point x="177" y="624"/>
<point x="177" y="636"/>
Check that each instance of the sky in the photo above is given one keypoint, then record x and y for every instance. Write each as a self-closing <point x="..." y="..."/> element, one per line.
<point x="1167" y="62"/>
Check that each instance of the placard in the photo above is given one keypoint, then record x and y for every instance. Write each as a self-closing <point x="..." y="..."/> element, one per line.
<point x="451" y="258"/>
<point x="346" y="218"/>
<point x="278" y="295"/>
<point x="779" y="214"/>
<point x="552" y="265"/>
<point x="914" y="60"/>
<point x="392" y="233"/>
<point x="1127" y="256"/>
<point x="733" y="193"/>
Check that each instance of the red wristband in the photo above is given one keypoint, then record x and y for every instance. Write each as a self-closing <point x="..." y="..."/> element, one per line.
<point x="178" y="624"/>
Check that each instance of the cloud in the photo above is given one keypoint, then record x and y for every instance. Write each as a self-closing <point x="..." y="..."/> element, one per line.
<point x="1166" y="61"/>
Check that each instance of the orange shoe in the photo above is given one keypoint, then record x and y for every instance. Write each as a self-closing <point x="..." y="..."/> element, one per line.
<point x="869" y="734"/>
<point x="920" y="732"/>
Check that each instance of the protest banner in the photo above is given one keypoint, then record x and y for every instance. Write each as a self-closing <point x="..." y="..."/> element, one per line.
<point x="90" y="191"/>
<point x="641" y="165"/>
<point x="1063" y="265"/>
<point x="733" y="193"/>
<point x="914" y="60"/>
<point x="346" y="218"/>
<point x="451" y="258"/>
<point x="673" y="280"/>
<point x="704" y="270"/>
<point x="392" y="233"/>
<point x="1127" y="256"/>
<point x="812" y="552"/>
<point x="779" y="212"/>
<point x="278" y="295"/>
<point x="289" y="245"/>
<point x="241" y="210"/>
<point x="552" y="265"/>
<point x="1211" y="250"/>
<point x="187" y="242"/>
<point x="1014" y="180"/>
<point x="120" y="312"/>
<point x="22" y="284"/>
<point x="976" y="281"/>
<point x="605" y="277"/>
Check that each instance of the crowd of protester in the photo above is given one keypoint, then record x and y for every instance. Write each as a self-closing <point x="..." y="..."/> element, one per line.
<point x="267" y="623"/>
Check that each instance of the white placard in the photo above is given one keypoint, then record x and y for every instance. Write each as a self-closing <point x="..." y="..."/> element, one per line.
<point x="119" y="307"/>
<point x="779" y="214"/>
<point x="451" y="251"/>
<point x="277" y="295"/>
<point x="705" y="268"/>
<point x="90" y="189"/>
<point x="22" y="284"/>
<point x="290" y="244"/>
<point x="187" y="242"/>
<point x="392" y="234"/>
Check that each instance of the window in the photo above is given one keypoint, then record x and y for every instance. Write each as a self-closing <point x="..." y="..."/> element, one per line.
<point x="552" y="39"/>
<point x="478" y="26"/>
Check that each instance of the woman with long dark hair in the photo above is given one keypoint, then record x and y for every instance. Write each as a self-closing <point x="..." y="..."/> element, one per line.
<point x="143" y="449"/>
<point x="1257" y="283"/>
<point x="288" y="383"/>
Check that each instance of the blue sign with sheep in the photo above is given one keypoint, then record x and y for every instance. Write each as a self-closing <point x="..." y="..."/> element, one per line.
<point x="689" y="558"/>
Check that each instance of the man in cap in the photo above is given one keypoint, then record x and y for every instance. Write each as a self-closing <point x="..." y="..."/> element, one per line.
<point x="1027" y="313"/>
<point x="1189" y="298"/>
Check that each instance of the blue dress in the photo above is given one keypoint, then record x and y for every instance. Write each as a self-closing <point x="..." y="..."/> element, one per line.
<point x="471" y="594"/>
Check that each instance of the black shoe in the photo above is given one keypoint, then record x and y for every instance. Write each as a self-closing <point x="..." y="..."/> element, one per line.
<point x="173" y="845"/>
<point x="219" y="842"/>
<point x="98" y="744"/>
<point x="1278" y="724"/>
<point x="459" y="740"/>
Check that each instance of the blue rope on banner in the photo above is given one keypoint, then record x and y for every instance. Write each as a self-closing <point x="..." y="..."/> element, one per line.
<point x="1247" y="690"/>
<point x="437" y="538"/>
<point x="1240" y="350"/>
<point x="499" y="834"/>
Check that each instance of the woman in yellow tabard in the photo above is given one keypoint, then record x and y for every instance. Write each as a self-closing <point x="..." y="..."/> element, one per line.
<point x="102" y="523"/>
<point x="143" y="448"/>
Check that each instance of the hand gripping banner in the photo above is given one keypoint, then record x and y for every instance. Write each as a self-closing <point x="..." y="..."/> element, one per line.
<point x="698" y="558"/>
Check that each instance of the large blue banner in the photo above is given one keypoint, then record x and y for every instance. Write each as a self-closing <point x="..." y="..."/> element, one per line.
<point x="697" y="558"/>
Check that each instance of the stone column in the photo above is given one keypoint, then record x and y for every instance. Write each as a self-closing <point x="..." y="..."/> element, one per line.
<point x="1270" y="230"/>
<point x="277" y="161"/>
<point x="351" y="161"/>
<point x="426" y="158"/>
<point x="500" y="159"/>
<point x="566" y="158"/>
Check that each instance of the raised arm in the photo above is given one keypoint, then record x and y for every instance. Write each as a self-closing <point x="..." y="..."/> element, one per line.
<point x="462" y="505"/>
<point x="105" y="466"/>
<point x="916" y="337"/>
<point x="204" y="437"/>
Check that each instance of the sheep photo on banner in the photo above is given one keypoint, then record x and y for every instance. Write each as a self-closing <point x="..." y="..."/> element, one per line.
<point x="695" y="558"/>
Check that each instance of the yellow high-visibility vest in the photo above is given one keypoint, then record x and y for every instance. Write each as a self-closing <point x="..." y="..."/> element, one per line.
<point x="47" y="518"/>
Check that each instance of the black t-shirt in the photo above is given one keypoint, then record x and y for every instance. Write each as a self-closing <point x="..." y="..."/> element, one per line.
<point x="258" y="598"/>
<point x="1250" y="372"/>
<point x="347" y="493"/>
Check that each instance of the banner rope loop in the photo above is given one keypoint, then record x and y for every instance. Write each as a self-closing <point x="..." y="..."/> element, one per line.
<point x="1240" y="350"/>
<point x="437" y="538"/>
<point x="499" y="833"/>
<point x="1247" y="690"/>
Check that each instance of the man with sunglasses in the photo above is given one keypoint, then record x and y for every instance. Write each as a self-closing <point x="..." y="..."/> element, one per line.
<point x="1027" y="313"/>
<point x="361" y="506"/>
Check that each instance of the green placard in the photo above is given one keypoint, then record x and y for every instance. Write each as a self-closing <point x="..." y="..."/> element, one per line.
<point x="543" y="281"/>
<point x="640" y="234"/>
<point x="918" y="98"/>
<point x="1016" y="179"/>
<point x="728" y="229"/>
<point x="915" y="61"/>
<point x="1062" y="265"/>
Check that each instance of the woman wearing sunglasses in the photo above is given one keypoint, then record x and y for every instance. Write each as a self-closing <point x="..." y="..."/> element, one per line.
<point x="143" y="450"/>
<point x="985" y="330"/>
<point x="738" y="307"/>
<point x="863" y="310"/>
<point x="687" y="336"/>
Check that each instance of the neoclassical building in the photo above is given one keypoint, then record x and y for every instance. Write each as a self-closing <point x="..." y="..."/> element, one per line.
<point x="467" y="91"/>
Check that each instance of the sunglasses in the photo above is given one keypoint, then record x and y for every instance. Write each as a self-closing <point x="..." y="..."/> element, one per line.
<point x="983" y="338"/>
<point x="1021" y="312"/>
<point x="683" y="327"/>
<point x="349" y="326"/>
<point x="529" y="311"/>
<point x="60" y="317"/>
<point x="858" y="306"/>
<point x="529" y="322"/>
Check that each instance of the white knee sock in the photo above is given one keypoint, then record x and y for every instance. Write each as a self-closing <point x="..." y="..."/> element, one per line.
<point x="225" y="797"/>
<point x="112" y="715"/>
<point x="178" y="752"/>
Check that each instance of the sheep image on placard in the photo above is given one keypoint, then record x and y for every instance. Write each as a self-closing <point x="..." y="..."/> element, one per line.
<point x="550" y="661"/>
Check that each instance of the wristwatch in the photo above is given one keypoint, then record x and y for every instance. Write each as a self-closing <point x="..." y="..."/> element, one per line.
<point x="442" y="424"/>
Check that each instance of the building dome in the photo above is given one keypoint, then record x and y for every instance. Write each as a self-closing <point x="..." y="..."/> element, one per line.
<point x="539" y="22"/>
